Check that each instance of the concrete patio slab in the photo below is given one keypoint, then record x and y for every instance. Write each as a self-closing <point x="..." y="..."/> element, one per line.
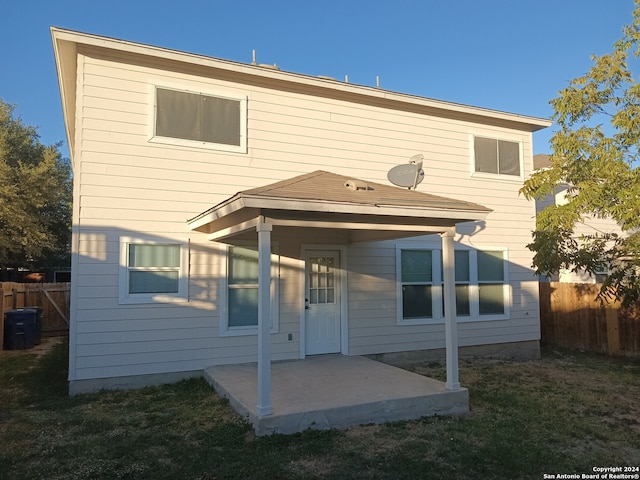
<point x="334" y="391"/>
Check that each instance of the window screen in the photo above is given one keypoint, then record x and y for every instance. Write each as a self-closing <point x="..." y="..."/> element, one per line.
<point x="463" y="279"/>
<point x="417" y="276"/>
<point x="480" y="284"/>
<point x="243" y="286"/>
<point x="198" y="117"/>
<point x="153" y="268"/>
<point x="491" y="282"/>
<point x="496" y="156"/>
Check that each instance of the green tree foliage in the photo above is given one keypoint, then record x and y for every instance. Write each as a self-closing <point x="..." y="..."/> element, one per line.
<point x="595" y="152"/>
<point x="35" y="197"/>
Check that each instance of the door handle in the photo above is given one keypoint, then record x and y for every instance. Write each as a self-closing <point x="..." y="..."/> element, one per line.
<point x="306" y="304"/>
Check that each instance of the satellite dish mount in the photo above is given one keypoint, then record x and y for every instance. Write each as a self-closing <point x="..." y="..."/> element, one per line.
<point x="408" y="174"/>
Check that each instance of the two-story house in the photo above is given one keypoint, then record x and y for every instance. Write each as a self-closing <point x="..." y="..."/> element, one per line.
<point x="229" y="213"/>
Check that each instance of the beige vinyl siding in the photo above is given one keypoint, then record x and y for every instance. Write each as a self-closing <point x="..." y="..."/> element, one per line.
<point x="372" y="304"/>
<point x="131" y="187"/>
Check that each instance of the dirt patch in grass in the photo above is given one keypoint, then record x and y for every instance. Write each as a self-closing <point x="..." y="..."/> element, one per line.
<point x="45" y="346"/>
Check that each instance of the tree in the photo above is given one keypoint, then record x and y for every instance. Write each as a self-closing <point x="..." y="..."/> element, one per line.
<point x="35" y="197"/>
<point x="595" y="152"/>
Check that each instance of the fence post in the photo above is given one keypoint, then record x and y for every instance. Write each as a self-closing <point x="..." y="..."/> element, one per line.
<point x="613" y="331"/>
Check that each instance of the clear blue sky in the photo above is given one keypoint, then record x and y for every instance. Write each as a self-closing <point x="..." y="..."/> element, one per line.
<point x="511" y="55"/>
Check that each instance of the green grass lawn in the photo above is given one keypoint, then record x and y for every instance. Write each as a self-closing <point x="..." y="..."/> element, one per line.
<point x="566" y="413"/>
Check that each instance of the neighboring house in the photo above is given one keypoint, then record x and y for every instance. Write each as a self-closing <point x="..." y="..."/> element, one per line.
<point x="588" y="226"/>
<point x="230" y="213"/>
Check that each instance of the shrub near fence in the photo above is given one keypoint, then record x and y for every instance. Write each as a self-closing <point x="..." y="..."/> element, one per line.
<point x="52" y="298"/>
<point x="572" y="317"/>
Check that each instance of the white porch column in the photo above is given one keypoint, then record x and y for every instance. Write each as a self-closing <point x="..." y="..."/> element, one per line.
<point x="450" y="326"/>
<point x="264" y="319"/>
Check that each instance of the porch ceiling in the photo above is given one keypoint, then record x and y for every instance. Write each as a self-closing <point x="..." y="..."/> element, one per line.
<point x="364" y="211"/>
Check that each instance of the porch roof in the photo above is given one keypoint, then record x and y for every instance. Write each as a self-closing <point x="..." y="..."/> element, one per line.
<point x="327" y="200"/>
<point x="365" y="211"/>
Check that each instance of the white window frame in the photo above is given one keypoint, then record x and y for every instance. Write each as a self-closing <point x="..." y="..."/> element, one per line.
<point x="242" y="148"/>
<point x="223" y="302"/>
<point x="437" y="287"/>
<point x="124" y="297"/>
<point x="498" y="176"/>
<point x="506" y="286"/>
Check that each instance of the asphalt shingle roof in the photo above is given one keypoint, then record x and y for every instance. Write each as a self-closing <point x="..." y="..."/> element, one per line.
<point x="330" y="187"/>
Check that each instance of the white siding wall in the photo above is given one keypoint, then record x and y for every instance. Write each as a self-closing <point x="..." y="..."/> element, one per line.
<point x="130" y="187"/>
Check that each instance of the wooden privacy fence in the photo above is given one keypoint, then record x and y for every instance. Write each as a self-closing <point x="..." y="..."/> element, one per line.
<point x="52" y="298"/>
<point x="572" y="317"/>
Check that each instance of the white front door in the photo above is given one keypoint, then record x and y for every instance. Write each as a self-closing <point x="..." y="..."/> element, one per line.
<point x="322" y="302"/>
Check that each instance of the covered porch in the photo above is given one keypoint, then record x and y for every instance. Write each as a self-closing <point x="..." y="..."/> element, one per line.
<point x="332" y="391"/>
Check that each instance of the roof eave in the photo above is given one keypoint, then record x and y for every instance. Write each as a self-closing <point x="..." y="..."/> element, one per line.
<point x="527" y="123"/>
<point x="65" y="56"/>
<point x="261" y="203"/>
<point x="325" y="206"/>
<point x="229" y="206"/>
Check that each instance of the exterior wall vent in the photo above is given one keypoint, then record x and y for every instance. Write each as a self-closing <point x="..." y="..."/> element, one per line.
<point x="356" y="185"/>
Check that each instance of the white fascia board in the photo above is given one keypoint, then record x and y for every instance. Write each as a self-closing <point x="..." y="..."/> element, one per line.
<point x="222" y="210"/>
<point x="260" y="203"/>
<point x="65" y="57"/>
<point x="381" y="227"/>
<point x="535" y="123"/>
<point x="364" y="209"/>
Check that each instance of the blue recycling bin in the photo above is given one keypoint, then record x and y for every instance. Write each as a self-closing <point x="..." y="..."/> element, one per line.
<point x="19" y="329"/>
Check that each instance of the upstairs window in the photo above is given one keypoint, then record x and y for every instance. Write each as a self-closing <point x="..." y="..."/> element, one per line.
<point x="498" y="157"/>
<point x="197" y="119"/>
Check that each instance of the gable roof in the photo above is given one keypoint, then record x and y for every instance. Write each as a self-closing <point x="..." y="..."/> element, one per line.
<point x="323" y="192"/>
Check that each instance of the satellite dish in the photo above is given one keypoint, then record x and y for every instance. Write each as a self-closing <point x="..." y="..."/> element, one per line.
<point x="409" y="174"/>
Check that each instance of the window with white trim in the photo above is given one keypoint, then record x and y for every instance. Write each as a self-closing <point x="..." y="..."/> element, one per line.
<point x="201" y="120"/>
<point x="416" y="276"/>
<point x="491" y="292"/>
<point x="152" y="272"/>
<point x="241" y="312"/>
<point x="498" y="157"/>
<point x="481" y="286"/>
<point x="463" y="283"/>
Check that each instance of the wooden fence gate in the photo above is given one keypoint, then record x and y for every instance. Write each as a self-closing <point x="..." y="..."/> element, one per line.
<point x="52" y="298"/>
